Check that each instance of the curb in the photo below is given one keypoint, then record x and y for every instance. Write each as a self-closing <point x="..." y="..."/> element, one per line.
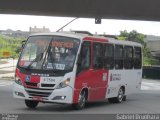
<point x="7" y="78"/>
<point x="6" y="67"/>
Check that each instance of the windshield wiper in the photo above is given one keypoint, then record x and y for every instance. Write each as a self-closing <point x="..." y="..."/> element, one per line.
<point x="38" y="58"/>
<point x="48" y="51"/>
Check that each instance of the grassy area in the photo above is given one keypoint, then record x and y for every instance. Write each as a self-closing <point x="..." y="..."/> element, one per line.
<point x="150" y="61"/>
<point x="11" y="45"/>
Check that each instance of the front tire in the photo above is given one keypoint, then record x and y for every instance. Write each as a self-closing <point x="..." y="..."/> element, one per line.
<point x="31" y="104"/>
<point x="81" y="101"/>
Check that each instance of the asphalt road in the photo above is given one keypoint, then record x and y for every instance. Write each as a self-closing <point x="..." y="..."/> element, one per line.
<point x="147" y="101"/>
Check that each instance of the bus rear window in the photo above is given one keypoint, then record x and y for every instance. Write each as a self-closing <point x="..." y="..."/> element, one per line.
<point x="137" y="57"/>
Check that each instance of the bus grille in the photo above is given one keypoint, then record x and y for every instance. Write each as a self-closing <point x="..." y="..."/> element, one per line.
<point x="37" y="92"/>
<point x="31" y="84"/>
<point x="42" y="85"/>
<point x="47" y="85"/>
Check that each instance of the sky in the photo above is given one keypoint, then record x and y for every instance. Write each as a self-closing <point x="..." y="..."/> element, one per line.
<point x="108" y="26"/>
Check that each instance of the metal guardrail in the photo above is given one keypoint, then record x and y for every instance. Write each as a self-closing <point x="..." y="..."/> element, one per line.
<point x="152" y="72"/>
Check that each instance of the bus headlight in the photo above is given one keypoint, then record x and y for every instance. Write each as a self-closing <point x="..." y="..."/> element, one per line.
<point x="64" y="83"/>
<point x="18" y="80"/>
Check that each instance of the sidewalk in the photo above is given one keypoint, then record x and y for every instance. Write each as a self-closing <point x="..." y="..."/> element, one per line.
<point x="8" y="62"/>
<point x="150" y="84"/>
<point x="7" y="68"/>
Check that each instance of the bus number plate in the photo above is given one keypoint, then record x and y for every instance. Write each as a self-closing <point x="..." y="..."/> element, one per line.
<point x="47" y="80"/>
<point x="37" y="98"/>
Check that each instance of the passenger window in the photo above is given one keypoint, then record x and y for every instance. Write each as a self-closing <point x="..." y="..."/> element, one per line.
<point x="118" y="57"/>
<point x="128" y="57"/>
<point x="84" y="57"/>
<point x="137" y="57"/>
<point x="97" y="55"/>
<point x="108" y="56"/>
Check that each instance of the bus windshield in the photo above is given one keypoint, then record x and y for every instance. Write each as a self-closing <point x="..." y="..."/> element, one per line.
<point x="49" y="53"/>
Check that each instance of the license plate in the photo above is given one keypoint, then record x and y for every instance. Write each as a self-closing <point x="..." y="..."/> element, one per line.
<point x="47" y="80"/>
<point x="37" y="98"/>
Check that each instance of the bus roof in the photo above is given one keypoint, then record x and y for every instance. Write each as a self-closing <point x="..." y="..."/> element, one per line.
<point x="95" y="38"/>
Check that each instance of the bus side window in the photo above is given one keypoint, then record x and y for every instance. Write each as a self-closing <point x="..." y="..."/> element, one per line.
<point x="137" y="57"/>
<point x="118" y="57"/>
<point x="97" y="55"/>
<point x="128" y="57"/>
<point x="84" y="58"/>
<point x="108" y="56"/>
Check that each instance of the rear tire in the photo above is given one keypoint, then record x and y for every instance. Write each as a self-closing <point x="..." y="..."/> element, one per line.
<point x="31" y="104"/>
<point x="120" y="97"/>
<point x="81" y="101"/>
<point x="124" y="98"/>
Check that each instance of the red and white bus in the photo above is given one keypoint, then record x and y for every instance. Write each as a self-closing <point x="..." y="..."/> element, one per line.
<point x="74" y="69"/>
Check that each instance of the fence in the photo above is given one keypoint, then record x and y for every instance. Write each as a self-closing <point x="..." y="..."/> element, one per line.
<point x="151" y="72"/>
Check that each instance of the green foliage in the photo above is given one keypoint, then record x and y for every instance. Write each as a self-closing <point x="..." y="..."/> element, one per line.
<point x="149" y="61"/>
<point x="10" y="44"/>
<point x="121" y="38"/>
<point x="124" y="34"/>
<point x="132" y="36"/>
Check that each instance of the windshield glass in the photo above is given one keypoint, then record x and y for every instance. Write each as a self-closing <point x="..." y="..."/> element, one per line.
<point x="49" y="53"/>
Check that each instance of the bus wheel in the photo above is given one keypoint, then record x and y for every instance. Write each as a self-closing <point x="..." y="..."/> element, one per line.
<point x="81" y="101"/>
<point x="120" y="96"/>
<point x="124" y="98"/>
<point x="31" y="104"/>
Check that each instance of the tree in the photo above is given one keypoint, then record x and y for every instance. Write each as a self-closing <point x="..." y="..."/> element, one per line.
<point x="133" y="36"/>
<point x="124" y="34"/>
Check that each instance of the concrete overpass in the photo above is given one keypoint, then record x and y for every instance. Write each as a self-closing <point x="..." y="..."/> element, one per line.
<point x="115" y="9"/>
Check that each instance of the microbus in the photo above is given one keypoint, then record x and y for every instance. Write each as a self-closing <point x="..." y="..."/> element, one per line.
<point x="72" y="68"/>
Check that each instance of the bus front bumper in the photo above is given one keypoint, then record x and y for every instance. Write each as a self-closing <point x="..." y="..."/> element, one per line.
<point x="63" y="95"/>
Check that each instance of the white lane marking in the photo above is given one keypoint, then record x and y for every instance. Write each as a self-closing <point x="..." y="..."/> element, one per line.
<point x="7" y="83"/>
